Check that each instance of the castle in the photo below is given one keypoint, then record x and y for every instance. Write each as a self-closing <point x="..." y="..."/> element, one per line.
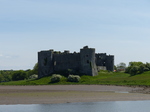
<point x="85" y="62"/>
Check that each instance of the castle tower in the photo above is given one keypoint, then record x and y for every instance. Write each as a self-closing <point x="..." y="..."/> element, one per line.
<point x="86" y="62"/>
<point x="87" y="58"/>
<point x="110" y="62"/>
<point x="45" y="63"/>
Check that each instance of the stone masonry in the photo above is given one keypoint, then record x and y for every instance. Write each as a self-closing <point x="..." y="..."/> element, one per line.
<point x="85" y="62"/>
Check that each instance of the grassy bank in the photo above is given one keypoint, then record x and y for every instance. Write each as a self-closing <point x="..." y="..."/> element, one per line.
<point x="104" y="78"/>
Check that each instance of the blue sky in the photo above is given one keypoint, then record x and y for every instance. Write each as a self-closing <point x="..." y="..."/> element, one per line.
<point x="120" y="28"/>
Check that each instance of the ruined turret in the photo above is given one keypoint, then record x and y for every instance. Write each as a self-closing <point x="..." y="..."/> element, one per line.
<point x="88" y="65"/>
<point x="45" y="63"/>
<point x="85" y="62"/>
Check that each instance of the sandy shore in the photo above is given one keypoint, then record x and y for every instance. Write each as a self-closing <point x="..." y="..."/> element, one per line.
<point x="49" y="94"/>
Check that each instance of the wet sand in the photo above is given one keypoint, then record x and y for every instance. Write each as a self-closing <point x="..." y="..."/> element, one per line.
<point x="49" y="94"/>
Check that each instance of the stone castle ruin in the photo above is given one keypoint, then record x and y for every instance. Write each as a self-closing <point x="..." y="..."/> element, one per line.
<point x="85" y="62"/>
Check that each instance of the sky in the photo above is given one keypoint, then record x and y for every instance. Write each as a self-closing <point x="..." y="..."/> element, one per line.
<point x="116" y="27"/>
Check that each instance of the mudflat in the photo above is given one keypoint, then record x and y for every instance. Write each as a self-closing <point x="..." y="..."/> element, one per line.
<point x="49" y="94"/>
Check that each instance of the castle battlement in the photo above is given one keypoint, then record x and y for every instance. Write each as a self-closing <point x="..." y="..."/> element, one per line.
<point x="85" y="62"/>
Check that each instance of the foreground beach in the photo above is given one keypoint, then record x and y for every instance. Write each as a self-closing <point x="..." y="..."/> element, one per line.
<point x="48" y="94"/>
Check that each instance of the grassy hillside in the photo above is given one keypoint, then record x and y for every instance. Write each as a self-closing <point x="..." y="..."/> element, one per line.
<point x="105" y="78"/>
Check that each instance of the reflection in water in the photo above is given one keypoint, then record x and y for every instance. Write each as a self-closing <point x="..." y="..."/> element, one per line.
<point x="116" y="106"/>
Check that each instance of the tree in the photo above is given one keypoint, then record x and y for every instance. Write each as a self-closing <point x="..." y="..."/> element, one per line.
<point x="19" y="75"/>
<point x="134" y="70"/>
<point x="115" y="68"/>
<point x="135" y="63"/>
<point x="121" y="66"/>
<point x="1" y="78"/>
<point x="147" y="65"/>
<point x="6" y="75"/>
<point x="35" y="69"/>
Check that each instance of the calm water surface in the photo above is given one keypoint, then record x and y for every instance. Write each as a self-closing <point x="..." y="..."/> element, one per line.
<point x="116" y="106"/>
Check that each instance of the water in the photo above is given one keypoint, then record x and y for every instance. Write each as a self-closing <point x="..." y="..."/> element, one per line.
<point x="115" y="106"/>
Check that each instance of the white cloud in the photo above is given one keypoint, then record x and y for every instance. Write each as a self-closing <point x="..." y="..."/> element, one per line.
<point x="7" y="56"/>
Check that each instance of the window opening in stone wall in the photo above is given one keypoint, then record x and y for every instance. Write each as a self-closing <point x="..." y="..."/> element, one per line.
<point x="54" y="63"/>
<point x="45" y="61"/>
<point x="100" y="57"/>
<point x="104" y="64"/>
<point x="90" y="64"/>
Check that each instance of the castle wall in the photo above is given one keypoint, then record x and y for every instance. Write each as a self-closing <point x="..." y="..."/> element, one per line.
<point x="100" y="59"/>
<point x="45" y="63"/>
<point x="110" y="63"/>
<point x="105" y="60"/>
<point x="85" y="62"/>
<point x="87" y="57"/>
<point x="66" y="61"/>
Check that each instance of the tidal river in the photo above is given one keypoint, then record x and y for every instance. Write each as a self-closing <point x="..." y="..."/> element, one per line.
<point x="114" y="106"/>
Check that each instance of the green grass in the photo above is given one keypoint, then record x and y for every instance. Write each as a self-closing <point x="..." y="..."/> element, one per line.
<point x="104" y="78"/>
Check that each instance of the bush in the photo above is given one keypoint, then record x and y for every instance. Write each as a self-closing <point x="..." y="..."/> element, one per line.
<point x="19" y="75"/>
<point x="134" y="70"/>
<point x="35" y="69"/>
<point x="34" y="76"/>
<point x="137" y="68"/>
<point x="56" y="78"/>
<point x="73" y="78"/>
